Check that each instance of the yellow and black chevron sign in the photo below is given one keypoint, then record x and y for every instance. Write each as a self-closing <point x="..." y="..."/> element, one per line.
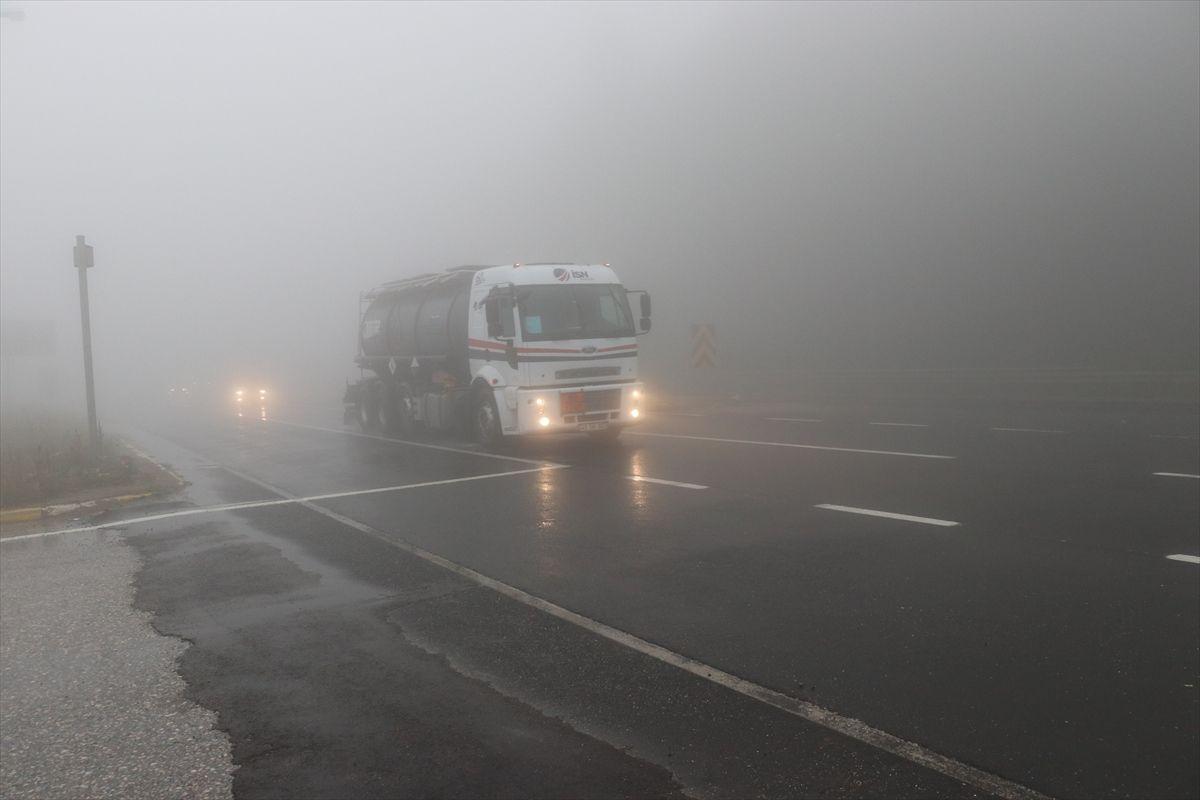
<point x="704" y="346"/>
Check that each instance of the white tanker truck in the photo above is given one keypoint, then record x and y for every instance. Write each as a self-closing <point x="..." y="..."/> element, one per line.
<point x="500" y="351"/>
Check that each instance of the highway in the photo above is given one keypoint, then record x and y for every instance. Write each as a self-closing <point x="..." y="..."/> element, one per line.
<point x="754" y="600"/>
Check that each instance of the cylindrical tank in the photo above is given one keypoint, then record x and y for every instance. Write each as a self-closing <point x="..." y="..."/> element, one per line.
<point x="424" y="319"/>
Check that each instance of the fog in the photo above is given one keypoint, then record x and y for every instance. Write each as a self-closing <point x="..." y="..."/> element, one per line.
<point x="834" y="186"/>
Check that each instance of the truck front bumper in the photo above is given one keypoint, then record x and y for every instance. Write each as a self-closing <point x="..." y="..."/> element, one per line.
<point x="585" y="409"/>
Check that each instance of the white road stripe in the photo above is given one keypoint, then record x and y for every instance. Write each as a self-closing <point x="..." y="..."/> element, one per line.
<point x="643" y="479"/>
<point x="787" y="444"/>
<point x="265" y="503"/>
<point x="818" y="715"/>
<point x="1177" y="475"/>
<point x="899" y="424"/>
<point x="1172" y="436"/>
<point x="945" y="523"/>
<point x="673" y="414"/>
<point x="791" y="419"/>
<point x="1029" y="430"/>
<point x="464" y="451"/>
<point x="1185" y="559"/>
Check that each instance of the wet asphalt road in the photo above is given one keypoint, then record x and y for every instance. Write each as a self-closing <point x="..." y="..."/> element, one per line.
<point x="1045" y="638"/>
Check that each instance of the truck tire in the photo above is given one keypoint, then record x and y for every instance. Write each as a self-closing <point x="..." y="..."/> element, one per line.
<point x="485" y="419"/>
<point x="368" y="407"/>
<point x="396" y="410"/>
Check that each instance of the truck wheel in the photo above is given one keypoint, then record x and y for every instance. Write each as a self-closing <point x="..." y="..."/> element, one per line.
<point x="485" y="419"/>
<point x="396" y="411"/>
<point x="368" y="408"/>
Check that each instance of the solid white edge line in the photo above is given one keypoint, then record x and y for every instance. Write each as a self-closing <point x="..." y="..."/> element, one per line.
<point x="818" y="715"/>
<point x="1029" y="430"/>
<point x="189" y="512"/>
<point x="643" y="479"/>
<point x="1177" y="475"/>
<point x="791" y="419"/>
<point x="1185" y="558"/>
<point x="788" y="444"/>
<point x="945" y="523"/>
<point x="899" y="424"/>
<point x="407" y="443"/>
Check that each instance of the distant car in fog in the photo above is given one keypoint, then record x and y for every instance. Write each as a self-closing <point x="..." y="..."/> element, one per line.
<point x="250" y="399"/>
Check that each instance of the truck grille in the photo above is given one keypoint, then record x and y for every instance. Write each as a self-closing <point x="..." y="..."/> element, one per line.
<point x="589" y="402"/>
<point x="586" y="372"/>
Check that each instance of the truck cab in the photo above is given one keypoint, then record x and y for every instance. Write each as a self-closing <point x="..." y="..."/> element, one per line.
<point x="553" y="349"/>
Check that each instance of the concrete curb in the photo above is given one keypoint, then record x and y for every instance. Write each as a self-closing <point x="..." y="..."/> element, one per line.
<point x="14" y="515"/>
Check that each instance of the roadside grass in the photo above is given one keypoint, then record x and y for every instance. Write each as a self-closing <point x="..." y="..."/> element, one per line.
<point x="45" y="456"/>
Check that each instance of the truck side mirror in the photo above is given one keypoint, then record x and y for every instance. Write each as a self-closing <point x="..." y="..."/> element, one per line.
<point x="510" y="353"/>
<point x="646" y="309"/>
<point x="644" y="325"/>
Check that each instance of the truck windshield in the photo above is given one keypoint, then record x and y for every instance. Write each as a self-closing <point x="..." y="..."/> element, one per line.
<point x="598" y="311"/>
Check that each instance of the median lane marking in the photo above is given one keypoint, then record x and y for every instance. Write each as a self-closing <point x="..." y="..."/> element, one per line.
<point x="1177" y="475"/>
<point x="869" y="512"/>
<point x="680" y="484"/>
<point x="408" y="443"/>
<point x="791" y="419"/>
<point x="899" y="424"/>
<point x="788" y="444"/>
<point x="188" y="512"/>
<point x="1184" y="558"/>
<point x="1029" y="430"/>
<point x="803" y="709"/>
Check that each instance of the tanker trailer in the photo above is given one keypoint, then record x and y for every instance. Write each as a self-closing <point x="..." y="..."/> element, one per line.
<point x="500" y="351"/>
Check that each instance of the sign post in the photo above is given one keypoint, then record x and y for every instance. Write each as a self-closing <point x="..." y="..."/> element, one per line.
<point x="83" y="262"/>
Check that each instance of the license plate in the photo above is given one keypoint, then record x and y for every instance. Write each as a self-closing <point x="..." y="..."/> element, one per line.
<point x="592" y="426"/>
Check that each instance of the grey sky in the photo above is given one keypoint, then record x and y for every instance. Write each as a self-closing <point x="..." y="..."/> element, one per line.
<point x="835" y="185"/>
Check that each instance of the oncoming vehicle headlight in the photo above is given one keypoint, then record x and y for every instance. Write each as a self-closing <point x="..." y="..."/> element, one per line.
<point x="262" y="392"/>
<point x="541" y="402"/>
<point x="634" y="413"/>
<point x="544" y="422"/>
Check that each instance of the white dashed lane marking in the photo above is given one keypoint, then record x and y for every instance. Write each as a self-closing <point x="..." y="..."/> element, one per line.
<point x="870" y="512"/>
<point x="680" y="484"/>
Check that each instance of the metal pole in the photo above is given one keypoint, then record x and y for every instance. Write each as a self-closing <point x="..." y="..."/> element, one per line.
<point x="83" y="260"/>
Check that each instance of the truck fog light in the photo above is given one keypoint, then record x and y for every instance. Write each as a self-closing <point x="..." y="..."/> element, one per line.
<point x="636" y="394"/>
<point x="541" y="401"/>
<point x="544" y="422"/>
<point x="634" y="413"/>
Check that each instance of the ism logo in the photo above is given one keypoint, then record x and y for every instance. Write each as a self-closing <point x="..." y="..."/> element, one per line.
<point x="564" y="275"/>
